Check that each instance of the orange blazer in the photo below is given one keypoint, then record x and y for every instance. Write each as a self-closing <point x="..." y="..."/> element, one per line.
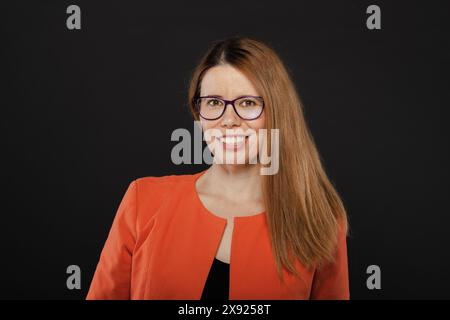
<point x="163" y="241"/>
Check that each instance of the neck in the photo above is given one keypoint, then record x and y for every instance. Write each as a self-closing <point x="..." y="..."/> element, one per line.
<point x="236" y="182"/>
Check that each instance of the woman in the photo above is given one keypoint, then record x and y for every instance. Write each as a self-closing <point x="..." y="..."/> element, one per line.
<point x="230" y="232"/>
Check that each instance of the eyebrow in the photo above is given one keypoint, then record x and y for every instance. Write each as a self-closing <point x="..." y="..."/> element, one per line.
<point x="221" y="97"/>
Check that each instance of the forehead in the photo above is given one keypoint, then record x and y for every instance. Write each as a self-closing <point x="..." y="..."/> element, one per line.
<point x="227" y="81"/>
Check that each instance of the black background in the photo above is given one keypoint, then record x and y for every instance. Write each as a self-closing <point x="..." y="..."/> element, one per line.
<point x="84" y="112"/>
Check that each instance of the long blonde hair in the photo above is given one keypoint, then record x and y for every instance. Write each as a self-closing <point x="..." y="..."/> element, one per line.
<point x="304" y="211"/>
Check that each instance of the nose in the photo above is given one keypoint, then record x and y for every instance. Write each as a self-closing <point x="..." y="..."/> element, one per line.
<point x="230" y="117"/>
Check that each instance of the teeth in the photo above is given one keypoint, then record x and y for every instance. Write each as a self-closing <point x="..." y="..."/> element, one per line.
<point x="232" y="140"/>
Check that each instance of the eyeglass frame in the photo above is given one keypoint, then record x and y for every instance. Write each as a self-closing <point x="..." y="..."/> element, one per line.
<point x="227" y="102"/>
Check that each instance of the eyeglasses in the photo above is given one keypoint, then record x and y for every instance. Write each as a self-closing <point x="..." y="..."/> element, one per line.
<point x="246" y="107"/>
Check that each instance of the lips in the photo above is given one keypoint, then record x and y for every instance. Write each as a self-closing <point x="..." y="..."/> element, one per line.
<point x="232" y="139"/>
<point x="233" y="142"/>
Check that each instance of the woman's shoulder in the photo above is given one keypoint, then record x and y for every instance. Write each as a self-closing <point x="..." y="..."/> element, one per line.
<point x="152" y="191"/>
<point x="152" y="182"/>
<point x="158" y="188"/>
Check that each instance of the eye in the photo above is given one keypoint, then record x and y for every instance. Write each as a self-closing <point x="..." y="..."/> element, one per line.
<point x="248" y="103"/>
<point x="214" y="102"/>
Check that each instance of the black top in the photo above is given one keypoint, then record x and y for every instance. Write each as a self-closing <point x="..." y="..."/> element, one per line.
<point x="216" y="287"/>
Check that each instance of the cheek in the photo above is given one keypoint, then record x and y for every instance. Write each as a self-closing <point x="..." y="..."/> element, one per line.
<point x="206" y="125"/>
<point x="260" y="123"/>
<point x="210" y="128"/>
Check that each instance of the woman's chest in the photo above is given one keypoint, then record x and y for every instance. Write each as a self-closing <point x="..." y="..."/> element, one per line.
<point x="174" y="260"/>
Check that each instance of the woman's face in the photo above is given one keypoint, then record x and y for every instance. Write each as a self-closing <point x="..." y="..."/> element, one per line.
<point x="227" y="82"/>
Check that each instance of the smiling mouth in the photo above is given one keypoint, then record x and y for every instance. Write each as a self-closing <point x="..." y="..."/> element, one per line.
<point x="233" y="142"/>
<point x="232" y="139"/>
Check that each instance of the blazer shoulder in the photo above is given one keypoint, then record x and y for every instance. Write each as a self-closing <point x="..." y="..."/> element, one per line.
<point x="152" y="192"/>
<point x="161" y="183"/>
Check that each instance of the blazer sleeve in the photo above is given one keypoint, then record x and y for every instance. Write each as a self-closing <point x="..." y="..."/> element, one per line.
<point x="331" y="281"/>
<point x="112" y="277"/>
